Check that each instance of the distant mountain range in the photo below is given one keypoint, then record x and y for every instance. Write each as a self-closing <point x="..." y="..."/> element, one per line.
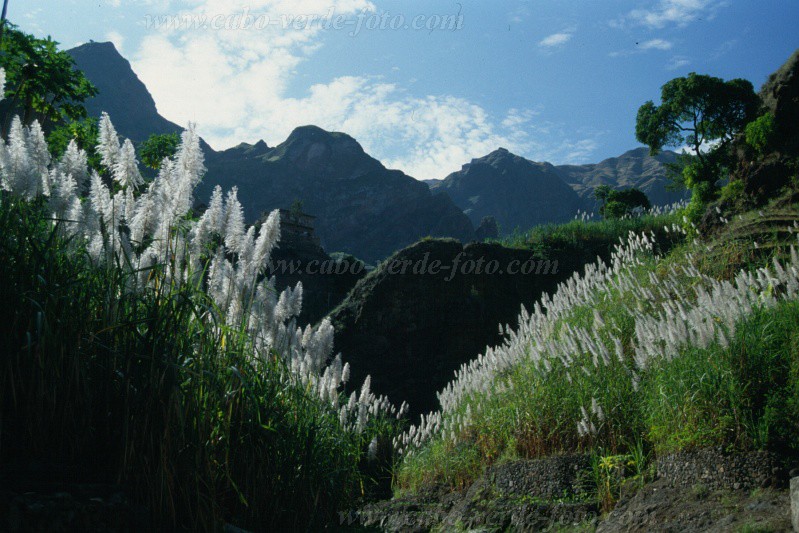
<point x="362" y="207"/>
<point x="635" y="168"/>
<point x="520" y="193"/>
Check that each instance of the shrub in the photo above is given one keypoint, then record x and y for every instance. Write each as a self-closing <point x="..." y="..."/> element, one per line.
<point x="761" y="133"/>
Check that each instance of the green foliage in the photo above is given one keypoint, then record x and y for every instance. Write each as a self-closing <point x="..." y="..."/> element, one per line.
<point x="586" y="239"/>
<point x="441" y="464"/>
<point x="704" y="113"/>
<point x="748" y="394"/>
<point x="85" y="134"/>
<point x="156" y="147"/>
<point x="611" y="472"/>
<point x="743" y="394"/>
<point x="761" y="133"/>
<point x="148" y="389"/>
<point x="620" y="203"/>
<point x="696" y="110"/>
<point x="42" y="82"/>
<point x="733" y="191"/>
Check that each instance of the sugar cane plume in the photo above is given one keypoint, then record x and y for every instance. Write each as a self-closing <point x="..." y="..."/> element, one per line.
<point x="125" y="221"/>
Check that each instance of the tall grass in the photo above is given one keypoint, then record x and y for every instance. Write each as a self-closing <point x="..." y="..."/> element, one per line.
<point x="645" y="352"/>
<point x="151" y="347"/>
<point x="589" y="233"/>
<point x="149" y="388"/>
<point x="743" y="396"/>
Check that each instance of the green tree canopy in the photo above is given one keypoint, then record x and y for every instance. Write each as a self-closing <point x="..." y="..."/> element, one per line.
<point x="618" y="203"/>
<point x="85" y="134"/>
<point x="696" y="111"/>
<point x="157" y="147"/>
<point x="703" y="113"/>
<point x="42" y="82"/>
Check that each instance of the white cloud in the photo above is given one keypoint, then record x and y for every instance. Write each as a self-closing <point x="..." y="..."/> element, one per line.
<point x="672" y="13"/>
<point x="556" y="39"/>
<point x="116" y="38"/>
<point x="677" y="62"/>
<point x="234" y="84"/>
<point x="640" y="48"/>
<point x="656" y="44"/>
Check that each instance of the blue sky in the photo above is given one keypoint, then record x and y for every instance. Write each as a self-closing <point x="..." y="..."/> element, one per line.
<point x="426" y="86"/>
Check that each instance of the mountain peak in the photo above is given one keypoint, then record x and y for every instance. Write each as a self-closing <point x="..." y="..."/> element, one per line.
<point x="98" y="49"/>
<point x="121" y="93"/>
<point x="311" y="133"/>
<point x="314" y="149"/>
<point x="517" y="192"/>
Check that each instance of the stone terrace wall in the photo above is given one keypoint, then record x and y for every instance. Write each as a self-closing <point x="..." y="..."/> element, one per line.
<point x="547" y="479"/>
<point x="715" y="469"/>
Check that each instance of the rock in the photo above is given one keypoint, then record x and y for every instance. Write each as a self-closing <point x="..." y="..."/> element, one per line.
<point x="325" y="279"/>
<point x="795" y="503"/>
<point x="716" y="469"/>
<point x="635" y="168"/>
<point x="488" y="506"/>
<point x="411" y="328"/>
<point x="488" y="229"/>
<point x="780" y="95"/>
<point x="362" y="207"/>
<point x="518" y="193"/>
<point x="659" y="506"/>
<point x="548" y="479"/>
<point x="764" y="175"/>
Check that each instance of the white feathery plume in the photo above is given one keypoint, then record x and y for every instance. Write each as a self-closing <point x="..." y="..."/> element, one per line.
<point x="126" y="169"/>
<point x="74" y="163"/>
<point x="107" y="142"/>
<point x="234" y="222"/>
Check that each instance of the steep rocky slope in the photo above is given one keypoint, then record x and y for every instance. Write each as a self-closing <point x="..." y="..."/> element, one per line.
<point x="763" y="174"/>
<point x="121" y="93"/>
<point x="517" y="192"/>
<point x="635" y="168"/>
<point x="410" y="327"/>
<point x="361" y="207"/>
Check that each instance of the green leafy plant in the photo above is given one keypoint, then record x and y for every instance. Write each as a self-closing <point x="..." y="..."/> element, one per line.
<point x="158" y="147"/>
<point x="761" y="133"/>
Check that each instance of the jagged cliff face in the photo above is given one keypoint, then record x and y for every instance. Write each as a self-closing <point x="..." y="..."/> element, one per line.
<point x="361" y="207"/>
<point x="122" y="94"/>
<point x="635" y="168"/>
<point x="780" y="95"/>
<point x="517" y="192"/>
<point x="763" y="175"/>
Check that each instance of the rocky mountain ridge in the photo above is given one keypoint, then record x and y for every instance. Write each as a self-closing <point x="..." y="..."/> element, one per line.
<point x="362" y="207"/>
<point x="519" y="193"/>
